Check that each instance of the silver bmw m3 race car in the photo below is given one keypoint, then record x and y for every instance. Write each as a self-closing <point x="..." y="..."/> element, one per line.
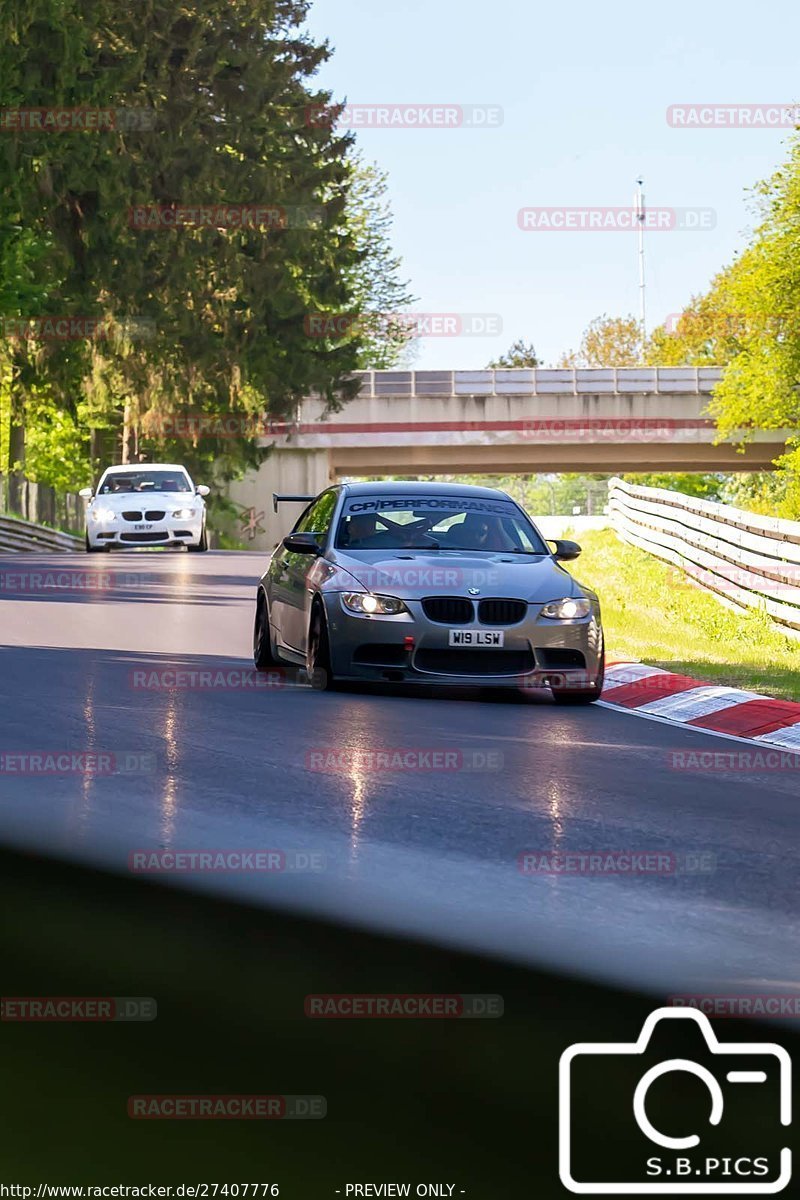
<point x="427" y="583"/>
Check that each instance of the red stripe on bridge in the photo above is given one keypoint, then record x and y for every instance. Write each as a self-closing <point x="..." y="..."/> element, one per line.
<point x="531" y="426"/>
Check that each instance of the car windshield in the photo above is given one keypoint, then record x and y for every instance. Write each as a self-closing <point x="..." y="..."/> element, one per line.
<point x="420" y="522"/>
<point x="144" y="481"/>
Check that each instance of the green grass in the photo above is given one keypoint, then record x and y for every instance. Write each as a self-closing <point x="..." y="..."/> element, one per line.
<point x="226" y="541"/>
<point x="650" y="614"/>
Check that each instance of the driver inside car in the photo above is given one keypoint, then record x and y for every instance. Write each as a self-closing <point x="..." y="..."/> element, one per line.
<point x="479" y="533"/>
<point x="361" y="531"/>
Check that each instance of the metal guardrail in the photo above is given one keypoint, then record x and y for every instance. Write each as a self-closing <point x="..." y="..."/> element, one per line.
<point x="746" y="560"/>
<point x="18" y="536"/>
<point x="541" y="381"/>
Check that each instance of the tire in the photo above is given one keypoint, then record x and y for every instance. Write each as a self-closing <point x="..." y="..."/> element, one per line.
<point x="318" y="655"/>
<point x="583" y="695"/>
<point x="201" y="546"/>
<point x="94" y="549"/>
<point x="263" y="658"/>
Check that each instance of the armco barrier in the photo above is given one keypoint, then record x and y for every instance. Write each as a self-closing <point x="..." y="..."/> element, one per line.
<point x="747" y="560"/>
<point x="19" y="536"/>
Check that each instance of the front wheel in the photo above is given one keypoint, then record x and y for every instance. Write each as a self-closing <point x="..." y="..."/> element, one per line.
<point x="582" y="696"/>
<point x="318" y="656"/>
<point x="263" y="657"/>
<point x="90" y="549"/>
<point x="202" y="545"/>
<point x="586" y="695"/>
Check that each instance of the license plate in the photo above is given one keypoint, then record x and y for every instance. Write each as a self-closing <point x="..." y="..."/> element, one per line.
<point x="143" y="527"/>
<point x="476" y="637"/>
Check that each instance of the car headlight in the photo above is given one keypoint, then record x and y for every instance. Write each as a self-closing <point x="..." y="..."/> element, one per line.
<point x="183" y="514"/>
<point x="566" y="609"/>
<point x="365" y="604"/>
<point x="103" y="514"/>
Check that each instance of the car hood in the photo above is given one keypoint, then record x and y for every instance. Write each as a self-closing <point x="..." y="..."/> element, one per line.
<point x="410" y="574"/>
<point x="122" y="501"/>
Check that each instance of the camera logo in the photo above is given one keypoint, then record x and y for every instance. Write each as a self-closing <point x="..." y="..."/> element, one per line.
<point x="667" y="1097"/>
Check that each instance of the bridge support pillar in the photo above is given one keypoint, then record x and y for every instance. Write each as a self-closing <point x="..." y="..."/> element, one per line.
<point x="293" y="471"/>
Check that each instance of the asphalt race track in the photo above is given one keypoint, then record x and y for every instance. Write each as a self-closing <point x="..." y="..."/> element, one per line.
<point x="233" y="767"/>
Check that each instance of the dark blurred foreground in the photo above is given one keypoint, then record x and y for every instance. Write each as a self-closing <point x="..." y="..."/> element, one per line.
<point x="473" y="1102"/>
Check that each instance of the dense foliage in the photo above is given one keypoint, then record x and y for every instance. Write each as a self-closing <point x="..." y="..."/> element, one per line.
<point x="203" y="220"/>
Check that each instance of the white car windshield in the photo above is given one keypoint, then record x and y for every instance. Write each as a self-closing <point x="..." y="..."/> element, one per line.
<point x="436" y="523"/>
<point x="144" y="481"/>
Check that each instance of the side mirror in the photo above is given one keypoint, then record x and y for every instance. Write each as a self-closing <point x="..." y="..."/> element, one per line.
<point x="302" y="543"/>
<point x="202" y="490"/>
<point x="86" y="493"/>
<point x="566" y="551"/>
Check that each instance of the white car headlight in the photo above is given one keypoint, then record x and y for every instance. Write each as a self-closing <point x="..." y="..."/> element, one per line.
<point x="566" y="609"/>
<point x="364" y="603"/>
<point x="103" y="514"/>
<point x="183" y="514"/>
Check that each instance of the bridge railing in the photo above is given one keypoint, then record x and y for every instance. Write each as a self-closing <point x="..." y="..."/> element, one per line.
<point x="747" y="561"/>
<point x="541" y="381"/>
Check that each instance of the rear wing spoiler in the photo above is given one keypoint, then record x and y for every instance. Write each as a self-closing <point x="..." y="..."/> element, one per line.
<point x="277" y="499"/>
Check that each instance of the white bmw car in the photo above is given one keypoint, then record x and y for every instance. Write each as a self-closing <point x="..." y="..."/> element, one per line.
<point x="148" y="504"/>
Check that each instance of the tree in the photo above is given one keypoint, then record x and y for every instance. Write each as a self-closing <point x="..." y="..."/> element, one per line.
<point x="768" y="492"/>
<point x="520" y="354"/>
<point x="24" y="285"/>
<point x="707" y="487"/>
<point x="709" y="331"/>
<point x="213" y="102"/>
<point x="383" y="327"/>
<point x="759" y="389"/>
<point x="749" y="323"/>
<point x="607" y="342"/>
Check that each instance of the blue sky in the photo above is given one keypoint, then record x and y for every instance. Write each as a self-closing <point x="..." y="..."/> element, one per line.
<point x="584" y="89"/>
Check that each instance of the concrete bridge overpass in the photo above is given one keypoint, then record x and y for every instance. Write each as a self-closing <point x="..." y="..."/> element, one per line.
<point x="500" y="422"/>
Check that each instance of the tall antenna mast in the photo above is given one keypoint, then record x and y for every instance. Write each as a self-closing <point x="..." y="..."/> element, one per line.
<point x="640" y="220"/>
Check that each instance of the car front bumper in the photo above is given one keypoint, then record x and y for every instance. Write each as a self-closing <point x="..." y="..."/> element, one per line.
<point x="535" y="653"/>
<point x="136" y="534"/>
